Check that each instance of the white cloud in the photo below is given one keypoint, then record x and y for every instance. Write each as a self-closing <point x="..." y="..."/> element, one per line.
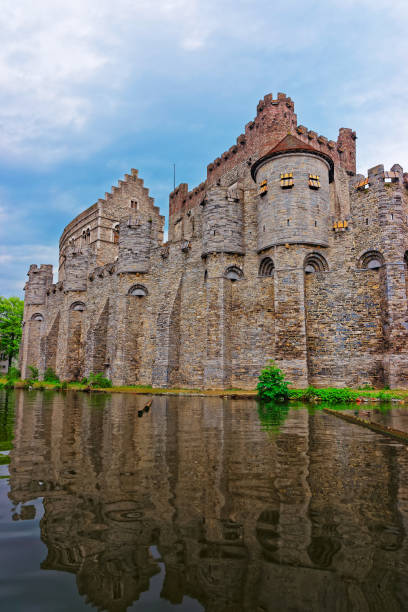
<point x="15" y="261"/>
<point x="69" y="71"/>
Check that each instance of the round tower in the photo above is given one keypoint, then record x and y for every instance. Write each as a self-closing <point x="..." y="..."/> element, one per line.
<point x="293" y="202"/>
<point x="222" y="221"/>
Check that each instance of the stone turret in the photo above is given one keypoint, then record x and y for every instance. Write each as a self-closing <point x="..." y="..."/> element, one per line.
<point x="39" y="281"/>
<point x="223" y="220"/>
<point x="134" y="244"/>
<point x="293" y="202"/>
<point x="76" y="269"/>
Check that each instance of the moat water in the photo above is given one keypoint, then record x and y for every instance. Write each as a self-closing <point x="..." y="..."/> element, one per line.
<point x="198" y="504"/>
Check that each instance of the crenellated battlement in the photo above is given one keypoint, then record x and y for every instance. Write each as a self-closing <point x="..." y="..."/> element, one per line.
<point x="377" y="177"/>
<point x="181" y="199"/>
<point x="275" y="118"/>
<point x="39" y="279"/>
<point x="281" y="253"/>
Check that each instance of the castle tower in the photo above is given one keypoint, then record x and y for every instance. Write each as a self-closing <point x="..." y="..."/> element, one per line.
<point x="293" y="204"/>
<point x="76" y="269"/>
<point x="222" y="238"/>
<point x="293" y="215"/>
<point x="393" y="246"/>
<point x="134" y="244"/>
<point x="39" y="281"/>
<point x="222" y="221"/>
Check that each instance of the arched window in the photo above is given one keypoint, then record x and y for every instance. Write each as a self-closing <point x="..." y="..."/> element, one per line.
<point x="314" y="262"/>
<point x="266" y="267"/>
<point x="115" y="233"/>
<point x="37" y="317"/>
<point x="78" y="306"/>
<point x="371" y="260"/>
<point x="88" y="236"/>
<point x="138" y="290"/>
<point x="233" y="273"/>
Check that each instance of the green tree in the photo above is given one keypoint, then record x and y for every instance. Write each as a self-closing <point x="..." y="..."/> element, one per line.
<point x="272" y="384"/>
<point x="11" y="316"/>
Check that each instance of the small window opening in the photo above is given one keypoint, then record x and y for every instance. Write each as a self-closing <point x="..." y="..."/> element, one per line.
<point x="115" y="232"/>
<point x="233" y="273"/>
<point x="138" y="291"/>
<point x="263" y="228"/>
<point x="372" y="260"/>
<point x="134" y="204"/>
<point x="286" y="180"/>
<point x="374" y="264"/>
<point x="391" y="215"/>
<point x="366" y="221"/>
<point x="205" y="276"/>
<point x="288" y="222"/>
<point x="315" y="223"/>
<point x="263" y="187"/>
<point x="314" y="181"/>
<point x="315" y="262"/>
<point x="266" y="267"/>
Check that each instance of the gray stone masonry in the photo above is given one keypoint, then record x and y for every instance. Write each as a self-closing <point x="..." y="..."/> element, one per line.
<point x="314" y="276"/>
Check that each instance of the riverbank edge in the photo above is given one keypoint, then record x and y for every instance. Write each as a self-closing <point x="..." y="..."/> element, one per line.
<point x="325" y="394"/>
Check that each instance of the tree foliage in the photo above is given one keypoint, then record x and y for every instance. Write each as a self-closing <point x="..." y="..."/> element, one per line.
<point x="272" y="384"/>
<point x="11" y="316"/>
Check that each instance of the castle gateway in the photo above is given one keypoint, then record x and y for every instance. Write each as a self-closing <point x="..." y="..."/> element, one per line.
<point x="283" y="252"/>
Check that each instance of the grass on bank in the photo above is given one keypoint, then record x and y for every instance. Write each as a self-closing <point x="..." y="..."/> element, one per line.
<point x="327" y="394"/>
<point x="272" y="386"/>
<point x="137" y="389"/>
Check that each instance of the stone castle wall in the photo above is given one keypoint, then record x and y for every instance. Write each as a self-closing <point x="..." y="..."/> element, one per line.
<point x="313" y="278"/>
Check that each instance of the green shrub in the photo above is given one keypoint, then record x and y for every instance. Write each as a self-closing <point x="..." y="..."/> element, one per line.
<point x="84" y="381"/>
<point x="50" y="376"/>
<point x="330" y="394"/>
<point x="13" y="374"/>
<point x="34" y="372"/>
<point x="98" y="380"/>
<point x="272" y="384"/>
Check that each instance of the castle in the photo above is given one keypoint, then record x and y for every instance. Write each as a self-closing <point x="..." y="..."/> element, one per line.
<point x="283" y="252"/>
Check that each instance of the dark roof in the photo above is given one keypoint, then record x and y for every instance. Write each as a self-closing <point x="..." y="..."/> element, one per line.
<point x="290" y="144"/>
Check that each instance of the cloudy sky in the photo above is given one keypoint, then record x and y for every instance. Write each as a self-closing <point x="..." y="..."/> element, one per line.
<point x="91" y="88"/>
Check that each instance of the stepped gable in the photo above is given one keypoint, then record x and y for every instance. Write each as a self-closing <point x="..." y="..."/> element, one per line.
<point x="291" y="144"/>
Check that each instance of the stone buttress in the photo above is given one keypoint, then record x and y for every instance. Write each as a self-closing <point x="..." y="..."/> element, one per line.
<point x="282" y="253"/>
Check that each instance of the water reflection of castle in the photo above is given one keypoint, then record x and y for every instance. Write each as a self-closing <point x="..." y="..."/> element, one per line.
<point x="243" y="521"/>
